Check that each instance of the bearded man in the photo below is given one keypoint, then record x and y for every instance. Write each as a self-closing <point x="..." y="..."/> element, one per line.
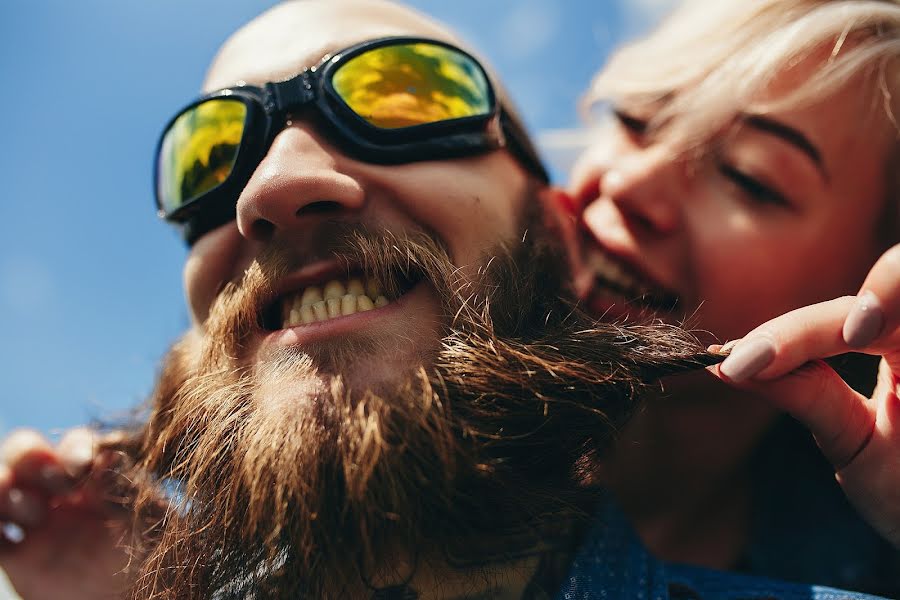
<point x="382" y="394"/>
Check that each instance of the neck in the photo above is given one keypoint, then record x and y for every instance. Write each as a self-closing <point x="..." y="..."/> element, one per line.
<point x="523" y="565"/>
<point x="503" y="581"/>
<point x="681" y="472"/>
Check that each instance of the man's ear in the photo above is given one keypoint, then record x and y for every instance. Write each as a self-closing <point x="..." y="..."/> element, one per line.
<point x="562" y="218"/>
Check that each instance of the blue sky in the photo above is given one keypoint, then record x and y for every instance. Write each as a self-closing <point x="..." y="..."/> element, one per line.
<point x="90" y="284"/>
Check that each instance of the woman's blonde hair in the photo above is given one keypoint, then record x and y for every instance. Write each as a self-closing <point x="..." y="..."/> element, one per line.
<point x="710" y="60"/>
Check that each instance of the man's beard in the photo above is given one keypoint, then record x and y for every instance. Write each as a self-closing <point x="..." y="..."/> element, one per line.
<point x="286" y="481"/>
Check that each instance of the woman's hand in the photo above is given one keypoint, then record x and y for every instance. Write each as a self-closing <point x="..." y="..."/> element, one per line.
<point x="781" y="360"/>
<point x="64" y="532"/>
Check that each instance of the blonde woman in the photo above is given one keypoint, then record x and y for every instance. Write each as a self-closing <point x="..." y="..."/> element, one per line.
<point x="751" y="167"/>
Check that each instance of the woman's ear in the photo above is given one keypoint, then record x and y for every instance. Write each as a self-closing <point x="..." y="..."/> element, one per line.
<point x="562" y="217"/>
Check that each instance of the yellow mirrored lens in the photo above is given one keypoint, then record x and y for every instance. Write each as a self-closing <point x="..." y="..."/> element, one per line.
<point x="412" y="84"/>
<point x="199" y="149"/>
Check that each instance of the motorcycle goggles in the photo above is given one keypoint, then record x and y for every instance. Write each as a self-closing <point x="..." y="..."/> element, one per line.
<point x="388" y="101"/>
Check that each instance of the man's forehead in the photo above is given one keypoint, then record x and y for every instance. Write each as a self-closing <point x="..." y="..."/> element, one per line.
<point x="295" y="35"/>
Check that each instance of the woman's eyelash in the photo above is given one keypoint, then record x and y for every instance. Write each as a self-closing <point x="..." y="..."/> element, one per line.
<point x="630" y="122"/>
<point x="754" y="188"/>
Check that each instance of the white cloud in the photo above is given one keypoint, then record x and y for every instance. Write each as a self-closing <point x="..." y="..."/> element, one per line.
<point x="530" y="28"/>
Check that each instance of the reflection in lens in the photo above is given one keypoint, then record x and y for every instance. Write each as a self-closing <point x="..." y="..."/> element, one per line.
<point x="198" y="150"/>
<point x="412" y="84"/>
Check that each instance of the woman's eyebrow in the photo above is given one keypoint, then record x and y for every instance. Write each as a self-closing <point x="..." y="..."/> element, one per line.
<point x="791" y="136"/>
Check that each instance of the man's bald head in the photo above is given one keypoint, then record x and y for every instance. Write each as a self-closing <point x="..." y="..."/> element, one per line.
<point x="301" y="32"/>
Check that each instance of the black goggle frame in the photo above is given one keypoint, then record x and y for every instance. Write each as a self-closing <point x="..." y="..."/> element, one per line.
<point x="270" y="107"/>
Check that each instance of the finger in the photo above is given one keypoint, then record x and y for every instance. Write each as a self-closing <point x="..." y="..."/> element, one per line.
<point x="871" y="480"/>
<point x="77" y="450"/>
<point x="18" y="507"/>
<point x="841" y="419"/>
<point x="787" y="342"/>
<point x="22" y="507"/>
<point x="34" y="463"/>
<point x="106" y="485"/>
<point x="877" y="307"/>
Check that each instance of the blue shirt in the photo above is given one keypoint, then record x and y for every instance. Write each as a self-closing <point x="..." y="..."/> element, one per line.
<point x="613" y="564"/>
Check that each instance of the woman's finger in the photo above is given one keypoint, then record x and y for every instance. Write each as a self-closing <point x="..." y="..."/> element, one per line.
<point x="877" y="306"/>
<point x="840" y="418"/>
<point x="789" y="341"/>
<point x="22" y="507"/>
<point x="76" y="450"/>
<point x="34" y="464"/>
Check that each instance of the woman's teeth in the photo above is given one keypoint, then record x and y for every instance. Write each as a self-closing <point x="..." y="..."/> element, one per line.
<point x="614" y="280"/>
<point x="335" y="299"/>
<point x="613" y="273"/>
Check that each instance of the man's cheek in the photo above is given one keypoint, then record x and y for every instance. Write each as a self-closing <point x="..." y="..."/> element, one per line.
<point x="561" y="216"/>
<point x="213" y="260"/>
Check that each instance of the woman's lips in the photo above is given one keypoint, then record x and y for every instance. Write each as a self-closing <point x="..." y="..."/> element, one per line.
<point x="619" y="289"/>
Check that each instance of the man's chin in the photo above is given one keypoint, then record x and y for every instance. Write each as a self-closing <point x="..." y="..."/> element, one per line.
<point x="372" y="353"/>
<point x="360" y="363"/>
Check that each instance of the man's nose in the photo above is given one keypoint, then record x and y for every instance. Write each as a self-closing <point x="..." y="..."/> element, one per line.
<point x="649" y="186"/>
<point x="299" y="179"/>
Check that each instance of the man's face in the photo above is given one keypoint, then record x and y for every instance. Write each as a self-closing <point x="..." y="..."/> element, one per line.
<point x="473" y="400"/>
<point x="305" y="191"/>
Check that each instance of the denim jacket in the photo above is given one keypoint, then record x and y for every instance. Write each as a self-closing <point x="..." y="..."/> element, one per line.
<point x="612" y="564"/>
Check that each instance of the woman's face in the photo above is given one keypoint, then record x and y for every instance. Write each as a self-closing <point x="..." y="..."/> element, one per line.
<point x="783" y="211"/>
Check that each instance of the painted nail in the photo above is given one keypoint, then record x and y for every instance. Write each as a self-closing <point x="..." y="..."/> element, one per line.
<point x="747" y="359"/>
<point x="24" y="508"/>
<point x="729" y="346"/>
<point x="865" y="321"/>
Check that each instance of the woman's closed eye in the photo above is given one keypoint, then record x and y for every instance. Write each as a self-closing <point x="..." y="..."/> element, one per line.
<point x="752" y="188"/>
<point x="633" y="123"/>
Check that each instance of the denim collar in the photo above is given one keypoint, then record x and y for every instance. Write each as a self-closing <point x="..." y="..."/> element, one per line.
<point x="613" y="564"/>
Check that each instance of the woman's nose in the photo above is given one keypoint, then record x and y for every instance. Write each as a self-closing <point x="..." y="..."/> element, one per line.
<point x="299" y="178"/>
<point x="649" y="187"/>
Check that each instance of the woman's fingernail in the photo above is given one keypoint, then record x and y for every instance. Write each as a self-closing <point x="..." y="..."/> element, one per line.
<point x="729" y="346"/>
<point x="865" y="321"/>
<point x="747" y="359"/>
<point x="24" y="508"/>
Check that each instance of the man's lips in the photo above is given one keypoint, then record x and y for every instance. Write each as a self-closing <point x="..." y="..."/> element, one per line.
<point x="342" y="325"/>
<point x="328" y="291"/>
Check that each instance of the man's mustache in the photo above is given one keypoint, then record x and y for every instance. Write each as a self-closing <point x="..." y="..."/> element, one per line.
<point x="392" y="258"/>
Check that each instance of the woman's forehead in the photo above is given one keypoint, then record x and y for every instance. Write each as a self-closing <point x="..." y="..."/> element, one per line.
<point x="847" y="123"/>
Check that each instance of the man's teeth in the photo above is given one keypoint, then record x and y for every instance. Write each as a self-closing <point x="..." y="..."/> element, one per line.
<point x="611" y="272"/>
<point x="335" y="299"/>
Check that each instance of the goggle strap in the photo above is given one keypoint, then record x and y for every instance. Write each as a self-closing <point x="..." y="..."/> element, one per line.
<point x="519" y="144"/>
